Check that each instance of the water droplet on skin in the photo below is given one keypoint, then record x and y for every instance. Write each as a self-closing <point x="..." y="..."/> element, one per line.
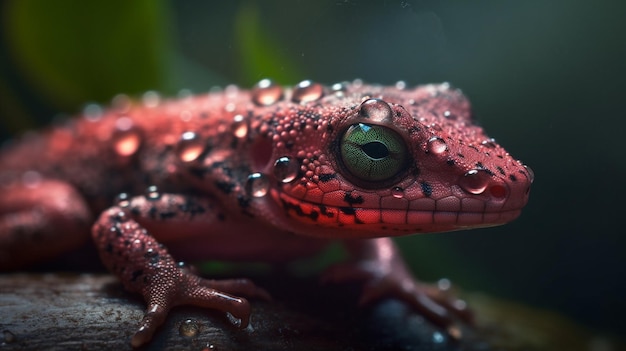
<point x="31" y="179"/>
<point x="339" y="88"/>
<point x="307" y="91"/>
<point x="92" y="112"/>
<point x="184" y="93"/>
<point x="122" y="200"/>
<point x="376" y="110"/>
<point x="436" y="145"/>
<point x="152" y="193"/>
<point x="490" y="143"/>
<point x="240" y="126"/>
<point x="444" y="284"/>
<point x="189" y="147"/>
<point x="266" y="93"/>
<point x="150" y="253"/>
<point x="121" y="103"/>
<point x="475" y="181"/>
<point x="400" y="85"/>
<point x="286" y="169"/>
<point x="126" y="138"/>
<point x="257" y="185"/>
<point x="121" y="216"/>
<point x="397" y="192"/>
<point x="151" y="99"/>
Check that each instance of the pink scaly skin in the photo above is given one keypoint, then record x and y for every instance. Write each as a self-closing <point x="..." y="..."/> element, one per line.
<point x="269" y="174"/>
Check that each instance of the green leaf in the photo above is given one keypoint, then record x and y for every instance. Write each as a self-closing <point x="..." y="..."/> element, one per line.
<point x="76" y="51"/>
<point x="260" y="53"/>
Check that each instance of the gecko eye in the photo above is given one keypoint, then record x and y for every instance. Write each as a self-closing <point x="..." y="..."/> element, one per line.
<point x="373" y="153"/>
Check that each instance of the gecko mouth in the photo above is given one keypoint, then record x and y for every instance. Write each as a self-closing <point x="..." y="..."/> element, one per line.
<point x="390" y="222"/>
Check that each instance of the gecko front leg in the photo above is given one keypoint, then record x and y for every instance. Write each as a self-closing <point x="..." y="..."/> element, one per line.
<point x="145" y="266"/>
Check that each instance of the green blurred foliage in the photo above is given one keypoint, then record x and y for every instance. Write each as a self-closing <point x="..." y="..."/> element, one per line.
<point x="259" y="51"/>
<point x="74" y="51"/>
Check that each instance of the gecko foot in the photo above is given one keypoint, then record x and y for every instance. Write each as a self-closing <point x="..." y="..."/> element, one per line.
<point x="165" y="293"/>
<point x="435" y="302"/>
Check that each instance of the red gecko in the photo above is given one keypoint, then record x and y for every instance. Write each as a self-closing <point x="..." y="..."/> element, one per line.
<point x="269" y="174"/>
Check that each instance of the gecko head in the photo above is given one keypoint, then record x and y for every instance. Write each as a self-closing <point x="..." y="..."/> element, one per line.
<point x="365" y="161"/>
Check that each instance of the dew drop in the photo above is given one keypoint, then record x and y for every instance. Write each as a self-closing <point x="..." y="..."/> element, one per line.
<point x="400" y="85"/>
<point x="307" y="91"/>
<point x="184" y="93"/>
<point x="490" y="143"/>
<point x="339" y="88"/>
<point x="475" y="181"/>
<point x="286" y="169"/>
<point x="31" y="179"/>
<point x="257" y="185"/>
<point x="240" y="126"/>
<point x="189" y="147"/>
<point x="266" y="93"/>
<point x="444" y="284"/>
<point x="122" y="200"/>
<point x="151" y="99"/>
<point x="397" y="192"/>
<point x="150" y="253"/>
<point x="436" y="145"/>
<point x="152" y="192"/>
<point x="126" y="138"/>
<point x="92" y="112"/>
<point x="121" y="216"/>
<point x="121" y="103"/>
<point x="376" y="110"/>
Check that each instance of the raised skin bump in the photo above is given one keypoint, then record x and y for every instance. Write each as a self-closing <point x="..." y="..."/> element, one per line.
<point x="260" y="175"/>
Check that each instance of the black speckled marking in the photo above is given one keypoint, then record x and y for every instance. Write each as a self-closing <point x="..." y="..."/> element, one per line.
<point x="225" y="187"/>
<point x="327" y="177"/>
<point x="427" y="189"/>
<point x="152" y="212"/>
<point x="513" y="178"/>
<point x="244" y="202"/>
<point x="348" y="210"/>
<point x="450" y="162"/>
<point x="500" y="170"/>
<point x="324" y="211"/>
<point x="353" y="200"/>
<point x="167" y="215"/>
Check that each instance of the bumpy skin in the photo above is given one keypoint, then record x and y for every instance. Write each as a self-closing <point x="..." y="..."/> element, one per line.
<point x="269" y="174"/>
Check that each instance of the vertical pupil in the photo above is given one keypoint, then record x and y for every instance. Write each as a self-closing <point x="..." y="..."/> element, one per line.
<point x="375" y="150"/>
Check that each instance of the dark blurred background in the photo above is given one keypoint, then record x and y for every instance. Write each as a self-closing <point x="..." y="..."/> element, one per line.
<point x="546" y="79"/>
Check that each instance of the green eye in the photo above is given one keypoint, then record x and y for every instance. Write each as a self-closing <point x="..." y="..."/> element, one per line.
<point x="373" y="153"/>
